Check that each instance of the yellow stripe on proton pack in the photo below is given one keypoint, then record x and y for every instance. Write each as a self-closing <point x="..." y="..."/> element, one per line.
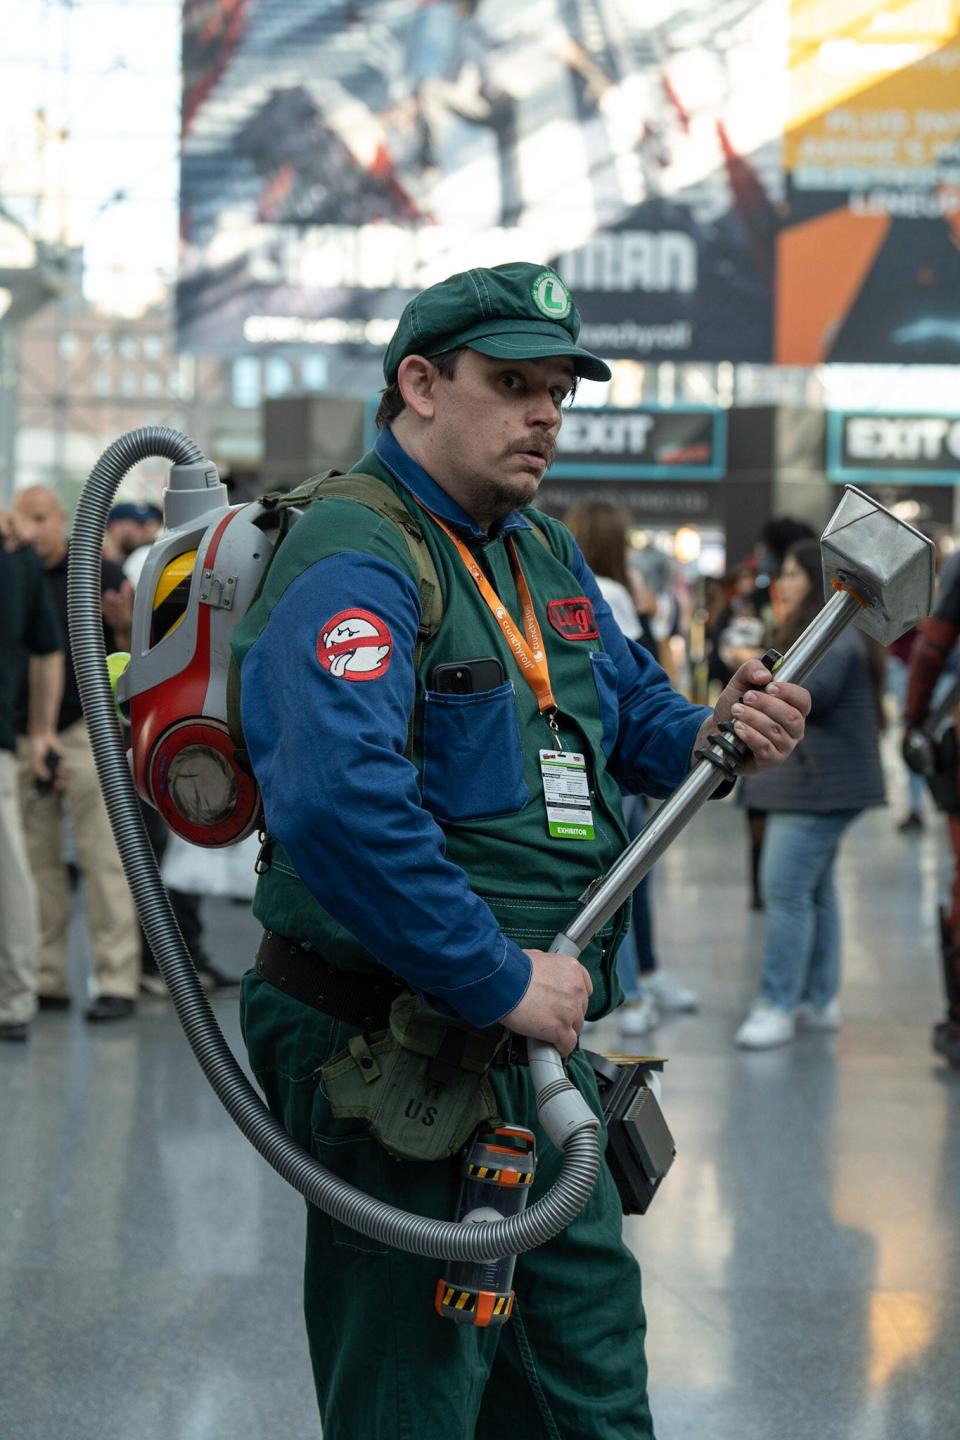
<point x="483" y="1172"/>
<point x="171" y="595"/>
<point x="172" y="575"/>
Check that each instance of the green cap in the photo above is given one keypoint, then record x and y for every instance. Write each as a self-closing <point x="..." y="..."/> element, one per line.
<point x="512" y="312"/>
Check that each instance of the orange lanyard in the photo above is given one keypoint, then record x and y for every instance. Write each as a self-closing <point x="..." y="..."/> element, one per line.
<point x="527" y="647"/>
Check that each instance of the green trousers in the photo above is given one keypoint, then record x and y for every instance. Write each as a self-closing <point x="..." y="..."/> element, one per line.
<point x="569" y="1364"/>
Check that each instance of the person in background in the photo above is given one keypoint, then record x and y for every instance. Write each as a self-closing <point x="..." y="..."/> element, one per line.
<point x="602" y="532"/>
<point x="898" y="670"/>
<point x="655" y="572"/>
<point x="151" y="523"/>
<point x="744" y="630"/>
<point x="127" y="530"/>
<point x="936" y="643"/>
<point x="111" y="917"/>
<point x="778" y="535"/>
<point x="898" y="679"/>
<point x="28" y="625"/>
<point x="742" y="633"/>
<point x="809" y="805"/>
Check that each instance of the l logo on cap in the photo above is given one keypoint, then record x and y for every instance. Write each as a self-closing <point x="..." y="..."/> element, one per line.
<point x="551" y="296"/>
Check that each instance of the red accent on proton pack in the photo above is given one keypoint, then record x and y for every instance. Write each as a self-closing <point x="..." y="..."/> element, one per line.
<point x="173" y="701"/>
<point x="213" y="735"/>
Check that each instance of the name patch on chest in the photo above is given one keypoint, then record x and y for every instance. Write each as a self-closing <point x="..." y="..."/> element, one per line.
<point x="573" y="619"/>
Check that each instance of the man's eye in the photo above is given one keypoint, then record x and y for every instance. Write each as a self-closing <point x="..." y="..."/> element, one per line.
<point x="559" y="394"/>
<point x="511" y="379"/>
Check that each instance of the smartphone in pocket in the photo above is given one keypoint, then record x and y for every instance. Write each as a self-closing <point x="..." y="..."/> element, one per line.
<point x="467" y="677"/>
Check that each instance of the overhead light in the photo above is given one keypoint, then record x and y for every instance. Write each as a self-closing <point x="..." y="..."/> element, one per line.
<point x="686" y="545"/>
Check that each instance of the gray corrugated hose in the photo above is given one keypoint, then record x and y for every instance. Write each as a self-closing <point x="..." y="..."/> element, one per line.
<point x="415" y="1233"/>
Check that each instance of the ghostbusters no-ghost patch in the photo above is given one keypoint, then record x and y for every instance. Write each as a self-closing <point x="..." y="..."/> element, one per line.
<point x="355" y="645"/>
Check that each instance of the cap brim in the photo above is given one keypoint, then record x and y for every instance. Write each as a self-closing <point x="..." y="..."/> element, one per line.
<point x="522" y="345"/>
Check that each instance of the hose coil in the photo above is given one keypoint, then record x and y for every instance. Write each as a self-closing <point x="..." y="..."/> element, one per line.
<point x="420" y="1235"/>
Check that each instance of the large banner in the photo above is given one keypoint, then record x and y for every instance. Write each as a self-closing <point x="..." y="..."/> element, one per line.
<point x="716" y="180"/>
<point x="868" y="264"/>
<point x="337" y="158"/>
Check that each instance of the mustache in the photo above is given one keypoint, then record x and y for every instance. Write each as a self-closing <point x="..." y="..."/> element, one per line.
<point x="534" y="445"/>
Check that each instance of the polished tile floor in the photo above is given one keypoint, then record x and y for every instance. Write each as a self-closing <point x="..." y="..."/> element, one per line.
<point x="802" y="1262"/>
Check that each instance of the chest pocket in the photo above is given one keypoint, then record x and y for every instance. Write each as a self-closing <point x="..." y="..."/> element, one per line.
<point x="473" y="755"/>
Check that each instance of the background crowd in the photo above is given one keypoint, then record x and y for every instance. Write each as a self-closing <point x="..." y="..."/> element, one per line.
<point x="56" y="845"/>
<point x="58" y="851"/>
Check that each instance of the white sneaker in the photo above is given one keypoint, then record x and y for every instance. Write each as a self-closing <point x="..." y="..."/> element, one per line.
<point x="639" y="1016"/>
<point x="824" y="1017"/>
<point x="668" y="994"/>
<point x="766" y="1025"/>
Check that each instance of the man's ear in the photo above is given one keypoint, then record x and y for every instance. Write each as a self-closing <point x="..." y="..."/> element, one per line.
<point x="416" y="378"/>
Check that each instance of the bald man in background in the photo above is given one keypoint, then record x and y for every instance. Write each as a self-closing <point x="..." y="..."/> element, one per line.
<point x="41" y="520"/>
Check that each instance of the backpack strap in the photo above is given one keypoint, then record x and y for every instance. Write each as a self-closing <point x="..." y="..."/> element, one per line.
<point x="377" y="496"/>
<point x="538" y="530"/>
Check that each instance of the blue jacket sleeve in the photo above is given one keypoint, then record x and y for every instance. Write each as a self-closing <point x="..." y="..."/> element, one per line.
<point x="658" y="727"/>
<point x="327" y="692"/>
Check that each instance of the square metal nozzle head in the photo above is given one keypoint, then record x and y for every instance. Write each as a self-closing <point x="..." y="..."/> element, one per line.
<point x="883" y="560"/>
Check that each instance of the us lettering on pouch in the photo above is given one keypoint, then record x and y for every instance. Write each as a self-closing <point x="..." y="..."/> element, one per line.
<point x="414" y="1108"/>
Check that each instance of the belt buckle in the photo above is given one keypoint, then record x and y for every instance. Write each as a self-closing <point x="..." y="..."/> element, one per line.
<point x="514" y="1052"/>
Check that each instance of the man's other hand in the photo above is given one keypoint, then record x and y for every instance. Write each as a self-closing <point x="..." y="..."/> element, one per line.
<point x="11" y="537"/>
<point x="116" y="606"/>
<point x="41" y="747"/>
<point x="555" y="1004"/>
<point x="770" y="721"/>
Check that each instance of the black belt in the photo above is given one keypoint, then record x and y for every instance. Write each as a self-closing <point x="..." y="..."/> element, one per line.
<point x="349" y="995"/>
<point x="357" y="998"/>
<point x="513" y="1051"/>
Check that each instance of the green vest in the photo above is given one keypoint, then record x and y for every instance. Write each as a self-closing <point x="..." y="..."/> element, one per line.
<point x="477" y="756"/>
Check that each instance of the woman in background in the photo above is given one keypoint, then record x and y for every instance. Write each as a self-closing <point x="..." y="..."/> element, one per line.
<point x="601" y="530"/>
<point x="809" y="803"/>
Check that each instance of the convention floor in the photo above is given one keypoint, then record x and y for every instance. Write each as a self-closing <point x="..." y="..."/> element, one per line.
<point x="802" y="1262"/>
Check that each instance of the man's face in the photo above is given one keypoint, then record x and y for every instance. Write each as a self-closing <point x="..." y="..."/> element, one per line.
<point x="127" y="535"/>
<point x="42" y="522"/>
<point x="494" y="430"/>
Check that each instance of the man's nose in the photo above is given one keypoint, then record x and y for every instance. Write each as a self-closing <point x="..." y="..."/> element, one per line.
<point x="543" y="411"/>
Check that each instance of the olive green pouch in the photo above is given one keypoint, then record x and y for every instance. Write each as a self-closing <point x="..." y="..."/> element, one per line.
<point x="421" y="1085"/>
